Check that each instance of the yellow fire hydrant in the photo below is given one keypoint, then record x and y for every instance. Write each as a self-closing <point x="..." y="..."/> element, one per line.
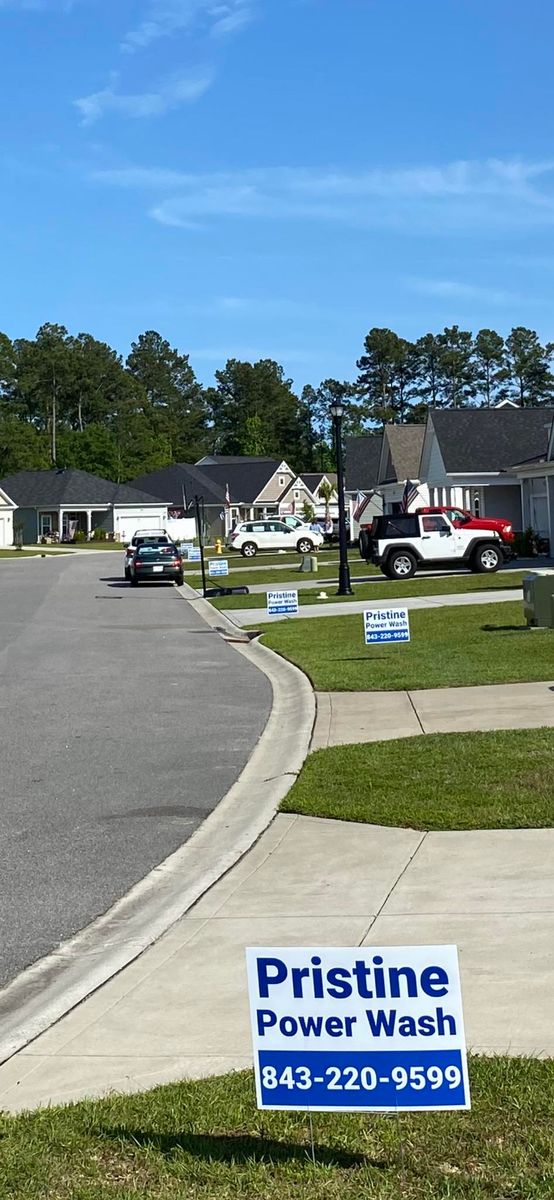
<point x="218" y="546"/>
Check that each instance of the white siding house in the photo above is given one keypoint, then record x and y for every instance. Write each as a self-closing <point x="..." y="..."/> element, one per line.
<point x="7" y="509"/>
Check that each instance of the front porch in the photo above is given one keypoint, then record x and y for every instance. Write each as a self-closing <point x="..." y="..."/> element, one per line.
<point x="68" y="525"/>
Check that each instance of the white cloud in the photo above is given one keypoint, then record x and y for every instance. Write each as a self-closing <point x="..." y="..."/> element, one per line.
<point x="169" y="95"/>
<point x="455" y="290"/>
<point x="165" y="17"/>
<point x="458" y="196"/>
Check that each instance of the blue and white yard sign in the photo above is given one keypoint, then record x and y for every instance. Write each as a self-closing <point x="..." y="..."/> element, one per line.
<point x="186" y="548"/>
<point x="366" y="1030"/>
<point x="386" y="625"/>
<point x="194" y="554"/>
<point x="218" y="566"/>
<point x="282" y="603"/>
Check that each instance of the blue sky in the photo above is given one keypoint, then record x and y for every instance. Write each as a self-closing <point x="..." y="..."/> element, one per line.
<point x="271" y="178"/>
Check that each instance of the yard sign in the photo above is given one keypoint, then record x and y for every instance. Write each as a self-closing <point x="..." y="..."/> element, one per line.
<point x="194" y="554"/>
<point x="218" y="566"/>
<point x="386" y="625"/>
<point x="370" y="1029"/>
<point x="282" y="603"/>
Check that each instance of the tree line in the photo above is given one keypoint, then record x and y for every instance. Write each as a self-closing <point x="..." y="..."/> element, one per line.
<point x="73" y="401"/>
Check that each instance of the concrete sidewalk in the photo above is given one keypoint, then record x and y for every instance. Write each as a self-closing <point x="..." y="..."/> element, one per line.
<point x="343" y="608"/>
<point x="347" y="717"/>
<point x="181" y="1008"/>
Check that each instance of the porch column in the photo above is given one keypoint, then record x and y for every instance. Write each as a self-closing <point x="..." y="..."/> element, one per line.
<point x="60" y="524"/>
<point x="89" y="523"/>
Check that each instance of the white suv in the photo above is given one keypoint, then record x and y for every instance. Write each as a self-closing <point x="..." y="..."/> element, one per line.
<point x="251" y="536"/>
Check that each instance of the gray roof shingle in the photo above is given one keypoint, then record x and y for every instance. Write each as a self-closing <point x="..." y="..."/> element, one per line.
<point x="246" y="476"/>
<point x="362" y="456"/>
<point x="64" y="487"/>
<point x="405" y="443"/>
<point x="491" y="439"/>
<point x="169" y="482"/>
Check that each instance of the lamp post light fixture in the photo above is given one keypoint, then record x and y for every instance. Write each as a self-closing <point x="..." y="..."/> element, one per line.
<point x="344" y="588"/>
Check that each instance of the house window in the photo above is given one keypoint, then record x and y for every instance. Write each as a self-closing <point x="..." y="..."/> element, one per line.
<point x="281" y="481"/>
<point x="297" y="495"/>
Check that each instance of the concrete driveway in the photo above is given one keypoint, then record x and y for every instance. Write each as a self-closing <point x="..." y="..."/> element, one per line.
<point x="124" y="720"/>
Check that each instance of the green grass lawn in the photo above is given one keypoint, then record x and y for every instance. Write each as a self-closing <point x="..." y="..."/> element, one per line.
<point x="206" y="1141"/>
<point x="500" y="780"/>
<point x="30" y="553"/>
<point x="265" y="569"/>
<point x="378" y="589"/>
<point x="450" y="647"/>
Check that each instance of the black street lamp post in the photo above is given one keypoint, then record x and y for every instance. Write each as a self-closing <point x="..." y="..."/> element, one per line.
<point x="344" y="588"/>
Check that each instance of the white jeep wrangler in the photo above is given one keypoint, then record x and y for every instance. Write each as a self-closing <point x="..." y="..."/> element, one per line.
<point x="401" y="543"/>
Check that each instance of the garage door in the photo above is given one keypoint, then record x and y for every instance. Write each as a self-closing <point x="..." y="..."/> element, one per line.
<point x="127" y="526"/>
<point x="3" y="531"/>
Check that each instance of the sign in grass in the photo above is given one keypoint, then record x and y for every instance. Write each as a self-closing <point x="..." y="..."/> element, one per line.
<point x="386" y="625"/>
<point x="194" y="554"/>
<point x="375" y="1029"/>
<point x="218" y="566"/>
<point x="282" y="603"/>
<point x="185" y="548"/>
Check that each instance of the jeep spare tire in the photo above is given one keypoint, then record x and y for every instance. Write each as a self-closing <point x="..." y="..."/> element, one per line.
<point x="364" y="544"/>
<point x="487" y="558"/>
<point x="400" y="564"/>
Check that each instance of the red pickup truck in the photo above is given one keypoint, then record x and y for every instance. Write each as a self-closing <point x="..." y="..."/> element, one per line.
<point x="461" y="517"/>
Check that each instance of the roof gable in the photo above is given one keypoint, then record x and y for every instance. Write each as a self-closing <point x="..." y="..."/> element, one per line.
<point x="362" y="456"/>
<point x="401" y="455"/>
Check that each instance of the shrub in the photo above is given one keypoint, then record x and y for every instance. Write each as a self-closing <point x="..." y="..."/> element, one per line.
<point x="99" y="535"/>
<point x="527" y="543"/>
<point x="80" y="536"/>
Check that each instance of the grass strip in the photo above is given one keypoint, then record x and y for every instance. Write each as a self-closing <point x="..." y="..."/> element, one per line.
<point x="206" y="1141"/>
<point x="500" y="780"/>
<point x="450" y="647"/>
<point x="375" y="589"/>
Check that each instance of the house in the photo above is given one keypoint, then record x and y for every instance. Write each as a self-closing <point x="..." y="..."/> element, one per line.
<point x="468" y="458"/>
<point x="7" y="509"/>
<point x="304" y="490"/>
<point x="236" y="488"/>
<point x="362" y="458"/>
<point x="178" y="485"/>
<point x="536" y="477"/>
<point x="59" y="503"/>
<point x="400" y="461"/>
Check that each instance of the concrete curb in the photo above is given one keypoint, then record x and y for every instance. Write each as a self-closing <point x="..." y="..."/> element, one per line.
<point x="50" y="988"/>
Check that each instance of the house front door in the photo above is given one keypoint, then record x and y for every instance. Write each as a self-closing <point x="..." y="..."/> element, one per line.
<point x="45" y="524"/>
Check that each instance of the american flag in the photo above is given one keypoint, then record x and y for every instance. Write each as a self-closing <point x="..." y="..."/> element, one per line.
<point x="227" y="496"/>
<point x="409" y="495"/>
<point x="361" y="505"/>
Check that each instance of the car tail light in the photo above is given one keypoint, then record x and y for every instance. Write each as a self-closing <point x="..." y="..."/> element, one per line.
<point x="234" y="534"/>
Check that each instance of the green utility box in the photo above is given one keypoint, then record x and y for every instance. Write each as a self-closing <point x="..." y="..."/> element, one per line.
<point x="309" y="563"/>
<point x="538" y="598"/>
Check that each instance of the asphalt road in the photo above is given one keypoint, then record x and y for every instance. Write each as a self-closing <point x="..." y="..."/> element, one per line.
<point x="123" y="721"/>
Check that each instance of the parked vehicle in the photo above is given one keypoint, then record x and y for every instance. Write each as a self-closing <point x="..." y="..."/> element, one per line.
<point x="152" y="562"/>
<point x="401" y="544"/>
<point x="251" y="536"/>
<point x="145" y="537"/>
<point x="463" y="519"/>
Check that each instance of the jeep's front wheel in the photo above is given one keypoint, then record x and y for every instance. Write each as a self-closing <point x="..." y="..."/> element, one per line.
<point x="486" y="559"/>
<point x="401" y="564"/>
